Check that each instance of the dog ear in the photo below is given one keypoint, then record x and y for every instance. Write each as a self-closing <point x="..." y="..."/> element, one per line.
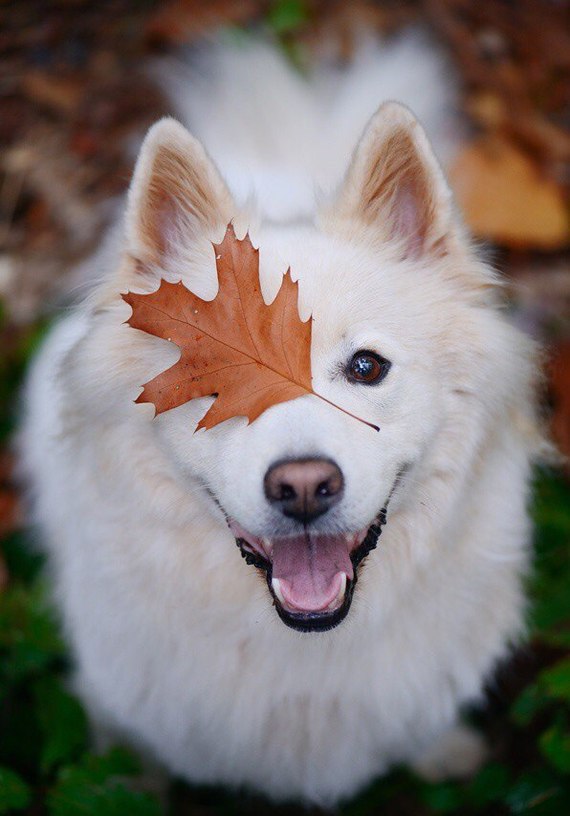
<point x="395" y="184"/>
<point x="175" y="193"/>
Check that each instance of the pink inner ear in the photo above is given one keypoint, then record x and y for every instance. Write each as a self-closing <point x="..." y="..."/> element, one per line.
<point x="167" y="218"/>
<point x="398" y="183"/>
<point x="406" y="220"/>
<point x="175" y="190"/>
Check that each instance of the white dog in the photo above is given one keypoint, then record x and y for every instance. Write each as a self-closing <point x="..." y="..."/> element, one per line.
<point x="314" y="669"/>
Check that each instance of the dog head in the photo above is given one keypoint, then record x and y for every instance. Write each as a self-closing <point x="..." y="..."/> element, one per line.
<point x="397" y="339"/>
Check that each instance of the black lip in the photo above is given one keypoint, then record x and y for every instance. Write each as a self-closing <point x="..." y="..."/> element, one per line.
<point x="318" y="621"/>
<point x="314" y="621"/>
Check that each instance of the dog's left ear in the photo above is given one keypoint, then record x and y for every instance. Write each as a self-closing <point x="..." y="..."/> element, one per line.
<point x="395" y="185"/>
<point x="176" y="195"/>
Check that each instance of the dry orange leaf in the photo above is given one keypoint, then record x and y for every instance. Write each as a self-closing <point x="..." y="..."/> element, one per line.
<point x="250" y="354"/>
<point x="175" y="22"/>
<point x="505" y="199"/>
<point x="559" y="370"/>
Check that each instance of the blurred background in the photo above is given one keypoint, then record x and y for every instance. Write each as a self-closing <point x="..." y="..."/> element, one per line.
<point x="75" y="100"/>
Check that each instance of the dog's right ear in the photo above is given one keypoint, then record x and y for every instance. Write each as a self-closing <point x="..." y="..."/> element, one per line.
<point x="176" y="193"/>
<point x="395" y="186"/>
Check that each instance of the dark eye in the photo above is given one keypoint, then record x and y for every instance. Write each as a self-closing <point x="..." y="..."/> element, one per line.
<point x="367" y="367"/>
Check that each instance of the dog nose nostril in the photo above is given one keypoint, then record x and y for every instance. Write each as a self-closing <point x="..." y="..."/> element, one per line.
<point x="331" y="486"/>
<point x="323" y="489"/>
<point x="287" y="492"/>
<point x="304" y="488"/>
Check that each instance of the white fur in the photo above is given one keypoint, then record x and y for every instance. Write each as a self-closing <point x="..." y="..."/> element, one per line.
<point x="174" y="636"/>
<point x="288" y="136"/>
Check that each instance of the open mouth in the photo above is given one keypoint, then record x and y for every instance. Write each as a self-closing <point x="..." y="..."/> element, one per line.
<point x="311" y="576"/>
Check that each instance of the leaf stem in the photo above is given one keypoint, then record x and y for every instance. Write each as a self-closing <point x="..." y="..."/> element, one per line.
<point x="344" y="411"/>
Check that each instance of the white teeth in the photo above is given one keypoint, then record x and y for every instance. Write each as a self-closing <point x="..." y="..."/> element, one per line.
<point x="267" y="545"/>
<point x="276" y="587"/>
<point x="340" y="594"/>
<point x="342" y="588"/>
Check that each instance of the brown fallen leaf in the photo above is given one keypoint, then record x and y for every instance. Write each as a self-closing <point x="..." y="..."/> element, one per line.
<point x="179" y="21"/>
<point x="62" y="95"/>
<point x="504" y="199"/>
<point x="11" y="509"/>
<point x="250" y="354"/>
<point x="559" y="370"/>
<point x="11" y="514"/>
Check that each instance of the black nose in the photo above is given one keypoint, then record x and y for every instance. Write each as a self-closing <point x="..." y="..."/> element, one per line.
<point x="304" y="489"/>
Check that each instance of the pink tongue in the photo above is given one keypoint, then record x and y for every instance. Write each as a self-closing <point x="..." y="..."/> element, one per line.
<point x="309" y="569"/>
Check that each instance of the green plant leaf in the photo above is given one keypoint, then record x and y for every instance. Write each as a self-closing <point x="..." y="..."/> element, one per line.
<point x="442" y="797"/>
<point x="551" y="582"/>
<point x="556" y="680"/>
<point x="284" y="16"/>
<point x="22" y="558"/>
<point x="14" y="793"/>
<point x="555" y="745"/>
<point x="29" y="638"/>
<point x="94" y="787"/>
<point x="538" y="793"/>
<point x="62" y="721"/>
<point x="76" y="796"/>
<point x="490" y="785"/>
<point x="116" y="762"/>
<point x="529" y="702"/>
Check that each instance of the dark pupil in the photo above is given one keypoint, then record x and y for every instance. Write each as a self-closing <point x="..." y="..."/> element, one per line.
<point x="363" y="367"/>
